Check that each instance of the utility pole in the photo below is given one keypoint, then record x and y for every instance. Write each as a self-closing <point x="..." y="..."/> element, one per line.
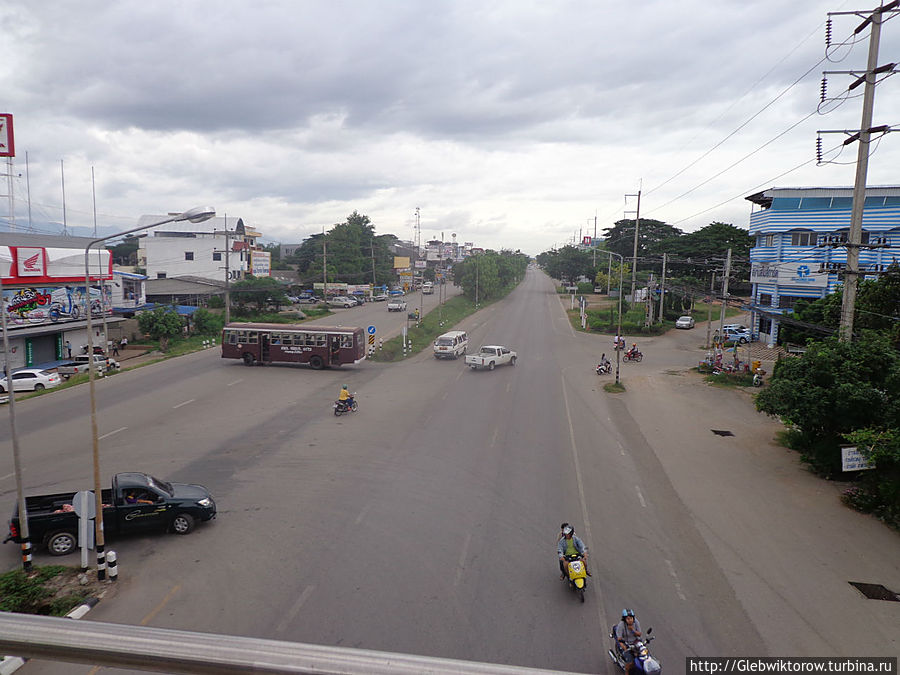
<point x="851" y="273"/>
<point x="724" y="293"/>
<point x="662" y="290"/>
<point x="227" y="253"/>
<point x="712" y="290"/>
<point x="637" y="225"/>
<point x="324" y="267"/>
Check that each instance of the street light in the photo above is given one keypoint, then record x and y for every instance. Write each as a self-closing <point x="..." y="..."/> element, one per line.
<point x="619" y="329"/>
<point x="195" y="215"/>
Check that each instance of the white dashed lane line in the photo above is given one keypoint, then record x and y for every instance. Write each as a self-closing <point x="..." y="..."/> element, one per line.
<point x="111" y="433"/>
<point x="190" y="400"/>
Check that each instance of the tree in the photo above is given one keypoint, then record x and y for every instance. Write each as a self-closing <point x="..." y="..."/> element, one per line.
<point x="568" y="263"/>
<point x="161" y="323"/>
<point x="834" y="389"/>
<point x="489" y="274"/>
<point x="651" y="234"/>
<point x="263" y="291"/>
<point x="207" y="323"/>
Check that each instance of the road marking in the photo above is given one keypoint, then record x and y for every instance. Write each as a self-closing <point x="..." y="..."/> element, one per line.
<point x="190" y="400"/>
<point x="462" y="559"/>
<point x="362" y="514"/>
<point x="9" y="475"/>
<point x="640" y="496"/>
<point x="156" y="610"/>
<point x="231" y="384"/>
<point x="494" y="437"/>
<point x="294" y="610"/>
<point x="675" y="576"/>
<point x="111" y="433"/>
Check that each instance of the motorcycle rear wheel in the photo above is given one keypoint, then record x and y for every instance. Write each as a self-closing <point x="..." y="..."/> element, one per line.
<point x="581" y="594"/>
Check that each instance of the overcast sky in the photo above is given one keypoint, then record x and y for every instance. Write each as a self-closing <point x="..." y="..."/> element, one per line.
<point x="511" y="124"/>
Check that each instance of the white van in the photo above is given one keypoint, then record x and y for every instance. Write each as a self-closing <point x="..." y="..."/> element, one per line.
<point x="451" y="345"/>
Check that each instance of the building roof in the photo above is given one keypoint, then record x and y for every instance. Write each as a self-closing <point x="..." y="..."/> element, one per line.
<point x="184" y="286"/>
<point x="22" y="238"/>
<point x="765" y="197"/>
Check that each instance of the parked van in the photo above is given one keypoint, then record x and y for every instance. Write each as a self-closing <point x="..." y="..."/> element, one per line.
<point x="451" y="345"/>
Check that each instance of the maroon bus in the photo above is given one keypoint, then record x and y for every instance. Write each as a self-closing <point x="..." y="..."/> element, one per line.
<point x="319" y="346"/>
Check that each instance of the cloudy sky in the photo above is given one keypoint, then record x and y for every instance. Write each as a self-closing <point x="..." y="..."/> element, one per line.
<point x="511" y="123"/>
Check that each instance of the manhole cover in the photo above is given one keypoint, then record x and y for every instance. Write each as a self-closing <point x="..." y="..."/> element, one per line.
<point x="721" y="432"/>
<point x="875" y="591"/>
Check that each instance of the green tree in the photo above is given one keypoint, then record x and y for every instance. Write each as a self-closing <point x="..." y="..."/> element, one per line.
<point x="263" y="291"/>
<point x="207" y="323"/>
<point x="651" y="234"/>
<point x="490" y="274"/>
<point x="834" y="389"/>
<point x="161" y="323"/>
<point x="567" y="263"/>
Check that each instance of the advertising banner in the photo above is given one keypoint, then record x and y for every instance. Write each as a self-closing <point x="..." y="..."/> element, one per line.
<point x="260" y="263"/>
<point x="788" y="274"/>
<point x="37" y="305"/>
<point x="7" y="142"/>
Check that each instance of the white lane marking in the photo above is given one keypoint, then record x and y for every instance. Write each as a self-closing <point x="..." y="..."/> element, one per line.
<point x="231" y="384"/>
<point x="601" y="612"/>
<point x="640" y="496"/>
<point x="9" y="475"/>
<point x="304" y="596"/>
<point x="494" y="437"/>
<point x="362" y="514"/>
<point x="190" y="400"/>
<point x="111" y="433"/>
<point x="462" y="559"/>
<point x="675" y="576"/>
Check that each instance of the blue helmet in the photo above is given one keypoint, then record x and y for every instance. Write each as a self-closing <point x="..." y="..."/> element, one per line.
<point x="627" y="612"/>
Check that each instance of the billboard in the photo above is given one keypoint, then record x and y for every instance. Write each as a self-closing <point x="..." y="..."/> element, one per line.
<point x="788" y="274"/>
<point x="260" y="263"/>
<point x="401" y="261"/>
<point x="7" y="142"/>
<point x="36" y="305"/>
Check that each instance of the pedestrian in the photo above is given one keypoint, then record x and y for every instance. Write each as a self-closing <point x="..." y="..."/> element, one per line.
<point x="115" y="347"/>
<point x="123" y="342"/>
<point x="68" y="349"/>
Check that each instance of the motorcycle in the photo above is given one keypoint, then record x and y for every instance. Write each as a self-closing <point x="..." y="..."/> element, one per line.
<point x="341" y="407"/>
<point x="758" y="377"/>
<point x="604" y="368"/>
<point x="633" y="355"/>
<point x="644" y="662"/>
<point x="619" y="345"/>
<point x="577" y="575"/>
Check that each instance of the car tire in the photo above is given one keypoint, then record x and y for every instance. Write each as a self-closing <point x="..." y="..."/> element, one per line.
<point x="249" y="359"/>
<point x="316" y="362"/>
<point x="38" y="386"/>
<point x="183" y="523"/>
<point x="491" y="365"/>
<point x="61" y="543"/>
<point x="512" y="361"/>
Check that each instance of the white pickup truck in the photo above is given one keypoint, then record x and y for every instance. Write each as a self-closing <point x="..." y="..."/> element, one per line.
<point x="396" y="305"/>
<point x="490" y="356"/>
<point x="81" y="364"/>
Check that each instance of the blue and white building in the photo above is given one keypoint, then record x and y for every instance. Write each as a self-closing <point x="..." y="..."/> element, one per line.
<point x="791" y="226"/>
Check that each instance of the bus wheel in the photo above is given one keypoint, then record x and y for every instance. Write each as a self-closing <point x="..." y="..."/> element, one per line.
<point x="316" y="363"/>
<point x="248" y="359"/>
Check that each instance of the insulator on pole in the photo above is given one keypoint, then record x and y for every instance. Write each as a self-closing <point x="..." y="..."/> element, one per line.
<point x="818" y="149"/>
<point x="824" y="88"/>
<point x="828" y="33"/>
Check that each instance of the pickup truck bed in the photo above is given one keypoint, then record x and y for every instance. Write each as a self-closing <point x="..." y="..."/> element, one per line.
<point x="491" y="356"/>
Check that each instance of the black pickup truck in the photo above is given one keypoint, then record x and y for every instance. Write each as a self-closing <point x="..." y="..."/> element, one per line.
<point x="137" y="502"/>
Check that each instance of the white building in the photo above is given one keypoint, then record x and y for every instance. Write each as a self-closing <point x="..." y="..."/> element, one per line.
<point x="197" y="249"/>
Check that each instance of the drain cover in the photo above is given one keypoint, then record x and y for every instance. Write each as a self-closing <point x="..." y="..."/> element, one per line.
<point x="875" y="591"/>
<point x="721" y="432"/>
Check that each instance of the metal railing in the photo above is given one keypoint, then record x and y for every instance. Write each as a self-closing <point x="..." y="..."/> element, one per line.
<point x="173" y="651"/>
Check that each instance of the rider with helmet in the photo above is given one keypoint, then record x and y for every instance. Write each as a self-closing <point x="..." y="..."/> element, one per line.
<point x="569" y="544"/>
<point x="345" y="397"/>
<point x="627" y="631"/>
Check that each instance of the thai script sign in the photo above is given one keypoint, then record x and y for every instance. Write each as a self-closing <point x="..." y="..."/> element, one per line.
<point x="788" y="274"/>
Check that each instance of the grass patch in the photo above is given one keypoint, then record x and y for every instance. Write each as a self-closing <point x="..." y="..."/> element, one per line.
<point x="730" y="379"/>
<point x="614" y="387"/>
<point x="43" y="592"/>
<point x="436" y="322"/>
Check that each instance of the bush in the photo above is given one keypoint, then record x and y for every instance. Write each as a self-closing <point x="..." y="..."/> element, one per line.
<point x="216" y="302"/>
<point x="208" y="323"/>
<point x="585" y="287"/>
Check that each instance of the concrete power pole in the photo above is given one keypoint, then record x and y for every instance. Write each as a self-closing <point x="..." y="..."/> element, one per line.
<point x="637" y="224"/>
<point x="851" y="273"/>
<point x="662" y="290"/>
<point x="724" y="293"/>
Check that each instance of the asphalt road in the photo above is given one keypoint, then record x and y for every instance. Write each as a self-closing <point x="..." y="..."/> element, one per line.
<point x="425" y="523"/>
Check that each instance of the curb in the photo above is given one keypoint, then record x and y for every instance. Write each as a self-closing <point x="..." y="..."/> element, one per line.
<point x="11" y="664"/>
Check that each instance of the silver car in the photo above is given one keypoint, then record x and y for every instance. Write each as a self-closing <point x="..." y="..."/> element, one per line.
<point x="685" y="322"/>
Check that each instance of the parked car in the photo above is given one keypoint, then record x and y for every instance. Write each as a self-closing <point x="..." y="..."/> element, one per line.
<point x="341" y="301"/>
<point x="685" y="322"/>
<point x="81" y="364"/>
<point x="308" y="300"/>
<point x="740" y="336"/>
<point x="734" y="326"/>
<point x="31" y="379"/>
<point x="381" y="297"/>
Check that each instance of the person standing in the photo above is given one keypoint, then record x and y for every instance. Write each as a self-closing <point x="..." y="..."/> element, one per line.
<point x="123" y="342"/>
<point x="68" y="349"/>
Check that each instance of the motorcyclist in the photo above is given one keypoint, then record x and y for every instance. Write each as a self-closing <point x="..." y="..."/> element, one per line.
<point x="604" y="362"/>
<point x="627" y="632"/>
<point x="345" y="398"/>
<point x="569" y="544"/>
<point x="633" y="351"/>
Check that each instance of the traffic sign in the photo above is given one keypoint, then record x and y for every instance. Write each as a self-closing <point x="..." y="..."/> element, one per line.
<point x="371" y="330"/>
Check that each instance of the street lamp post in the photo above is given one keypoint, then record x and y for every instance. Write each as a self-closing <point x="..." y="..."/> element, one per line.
<point x="619" y="328"/>
<point x="195" y="215"/>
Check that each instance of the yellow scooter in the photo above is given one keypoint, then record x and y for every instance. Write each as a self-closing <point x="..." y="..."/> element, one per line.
<point x="577" y="574"/>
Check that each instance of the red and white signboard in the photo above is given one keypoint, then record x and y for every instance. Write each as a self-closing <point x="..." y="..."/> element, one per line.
<point x="7" y="143"/>
<point x="30" y="261"/>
